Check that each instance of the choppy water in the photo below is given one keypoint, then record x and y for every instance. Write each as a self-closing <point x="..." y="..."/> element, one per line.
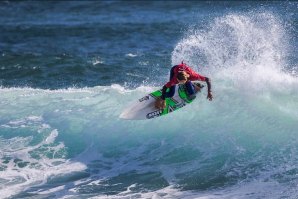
<point x="68" y="69"/>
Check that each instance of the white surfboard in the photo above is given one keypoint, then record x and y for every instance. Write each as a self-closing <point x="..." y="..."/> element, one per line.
<point x="144" y="108"/>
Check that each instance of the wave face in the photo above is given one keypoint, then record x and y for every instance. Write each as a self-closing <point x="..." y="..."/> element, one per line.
<point x="71" y="143"/>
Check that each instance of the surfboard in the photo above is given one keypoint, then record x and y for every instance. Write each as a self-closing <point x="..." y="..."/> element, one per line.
<point x="145" y="108"/>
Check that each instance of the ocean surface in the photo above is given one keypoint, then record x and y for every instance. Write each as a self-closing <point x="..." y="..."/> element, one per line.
<point x="69" y="68"/>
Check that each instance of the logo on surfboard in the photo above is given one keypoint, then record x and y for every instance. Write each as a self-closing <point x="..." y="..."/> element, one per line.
<point x="144" y="98"/>
<point x="154" y="114"/>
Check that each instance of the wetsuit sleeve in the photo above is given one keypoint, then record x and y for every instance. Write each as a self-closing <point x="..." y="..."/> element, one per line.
<point x="163" y="92"/>
<point x="172" y="82"/>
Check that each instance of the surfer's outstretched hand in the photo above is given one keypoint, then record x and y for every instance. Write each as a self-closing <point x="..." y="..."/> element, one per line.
<point x="209" y="96"/>
<point x="160" y="103"/>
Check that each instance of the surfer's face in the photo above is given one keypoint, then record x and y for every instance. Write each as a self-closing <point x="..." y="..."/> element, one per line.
<point x="181" y="81"/>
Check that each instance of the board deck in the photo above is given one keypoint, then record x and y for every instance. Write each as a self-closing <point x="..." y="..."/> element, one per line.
<point x="145" y="108"/>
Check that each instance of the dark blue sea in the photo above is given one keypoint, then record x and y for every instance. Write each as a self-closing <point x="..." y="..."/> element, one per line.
<point x="69" y="68"/>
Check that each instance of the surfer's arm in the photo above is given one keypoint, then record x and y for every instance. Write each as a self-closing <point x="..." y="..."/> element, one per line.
<point x="196" y="76"/>
<point x="208" y="81"/>
<point x="163" y="92"/>
<point x="172" y="82"/>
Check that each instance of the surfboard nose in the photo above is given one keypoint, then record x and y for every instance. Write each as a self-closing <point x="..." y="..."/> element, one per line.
<point x="127" y="115"/>
<point x="124" y="114"/>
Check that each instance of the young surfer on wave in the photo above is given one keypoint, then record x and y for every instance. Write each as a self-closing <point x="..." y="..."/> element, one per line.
<point x="182" y="74"/>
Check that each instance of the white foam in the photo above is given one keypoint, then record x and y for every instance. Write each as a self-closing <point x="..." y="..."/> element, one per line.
<point x="59" y="188"/>
<point x="135" y="75"/>
<point x="96" y="60"/>
<point x="51" y="138"/>
<point x="255" y="189"/>
<point x="131" y="55"/>
<point x="35" y="176"/>
<point x="35" y="171"/>
<point x="24" y="122"/>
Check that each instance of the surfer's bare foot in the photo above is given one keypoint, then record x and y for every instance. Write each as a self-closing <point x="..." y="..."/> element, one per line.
<point x="160" y="103"/>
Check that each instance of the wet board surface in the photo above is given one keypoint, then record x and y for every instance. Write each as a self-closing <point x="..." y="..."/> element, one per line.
<point x="144" y="108"/>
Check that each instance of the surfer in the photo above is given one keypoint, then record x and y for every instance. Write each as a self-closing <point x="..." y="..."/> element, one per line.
<point x="182" y="74"/>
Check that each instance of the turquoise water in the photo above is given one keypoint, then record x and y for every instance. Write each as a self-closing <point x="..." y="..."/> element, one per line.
<point x="61" y="97"/>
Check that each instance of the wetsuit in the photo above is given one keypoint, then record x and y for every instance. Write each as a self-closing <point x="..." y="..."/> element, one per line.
<point x="193" y="76"/>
